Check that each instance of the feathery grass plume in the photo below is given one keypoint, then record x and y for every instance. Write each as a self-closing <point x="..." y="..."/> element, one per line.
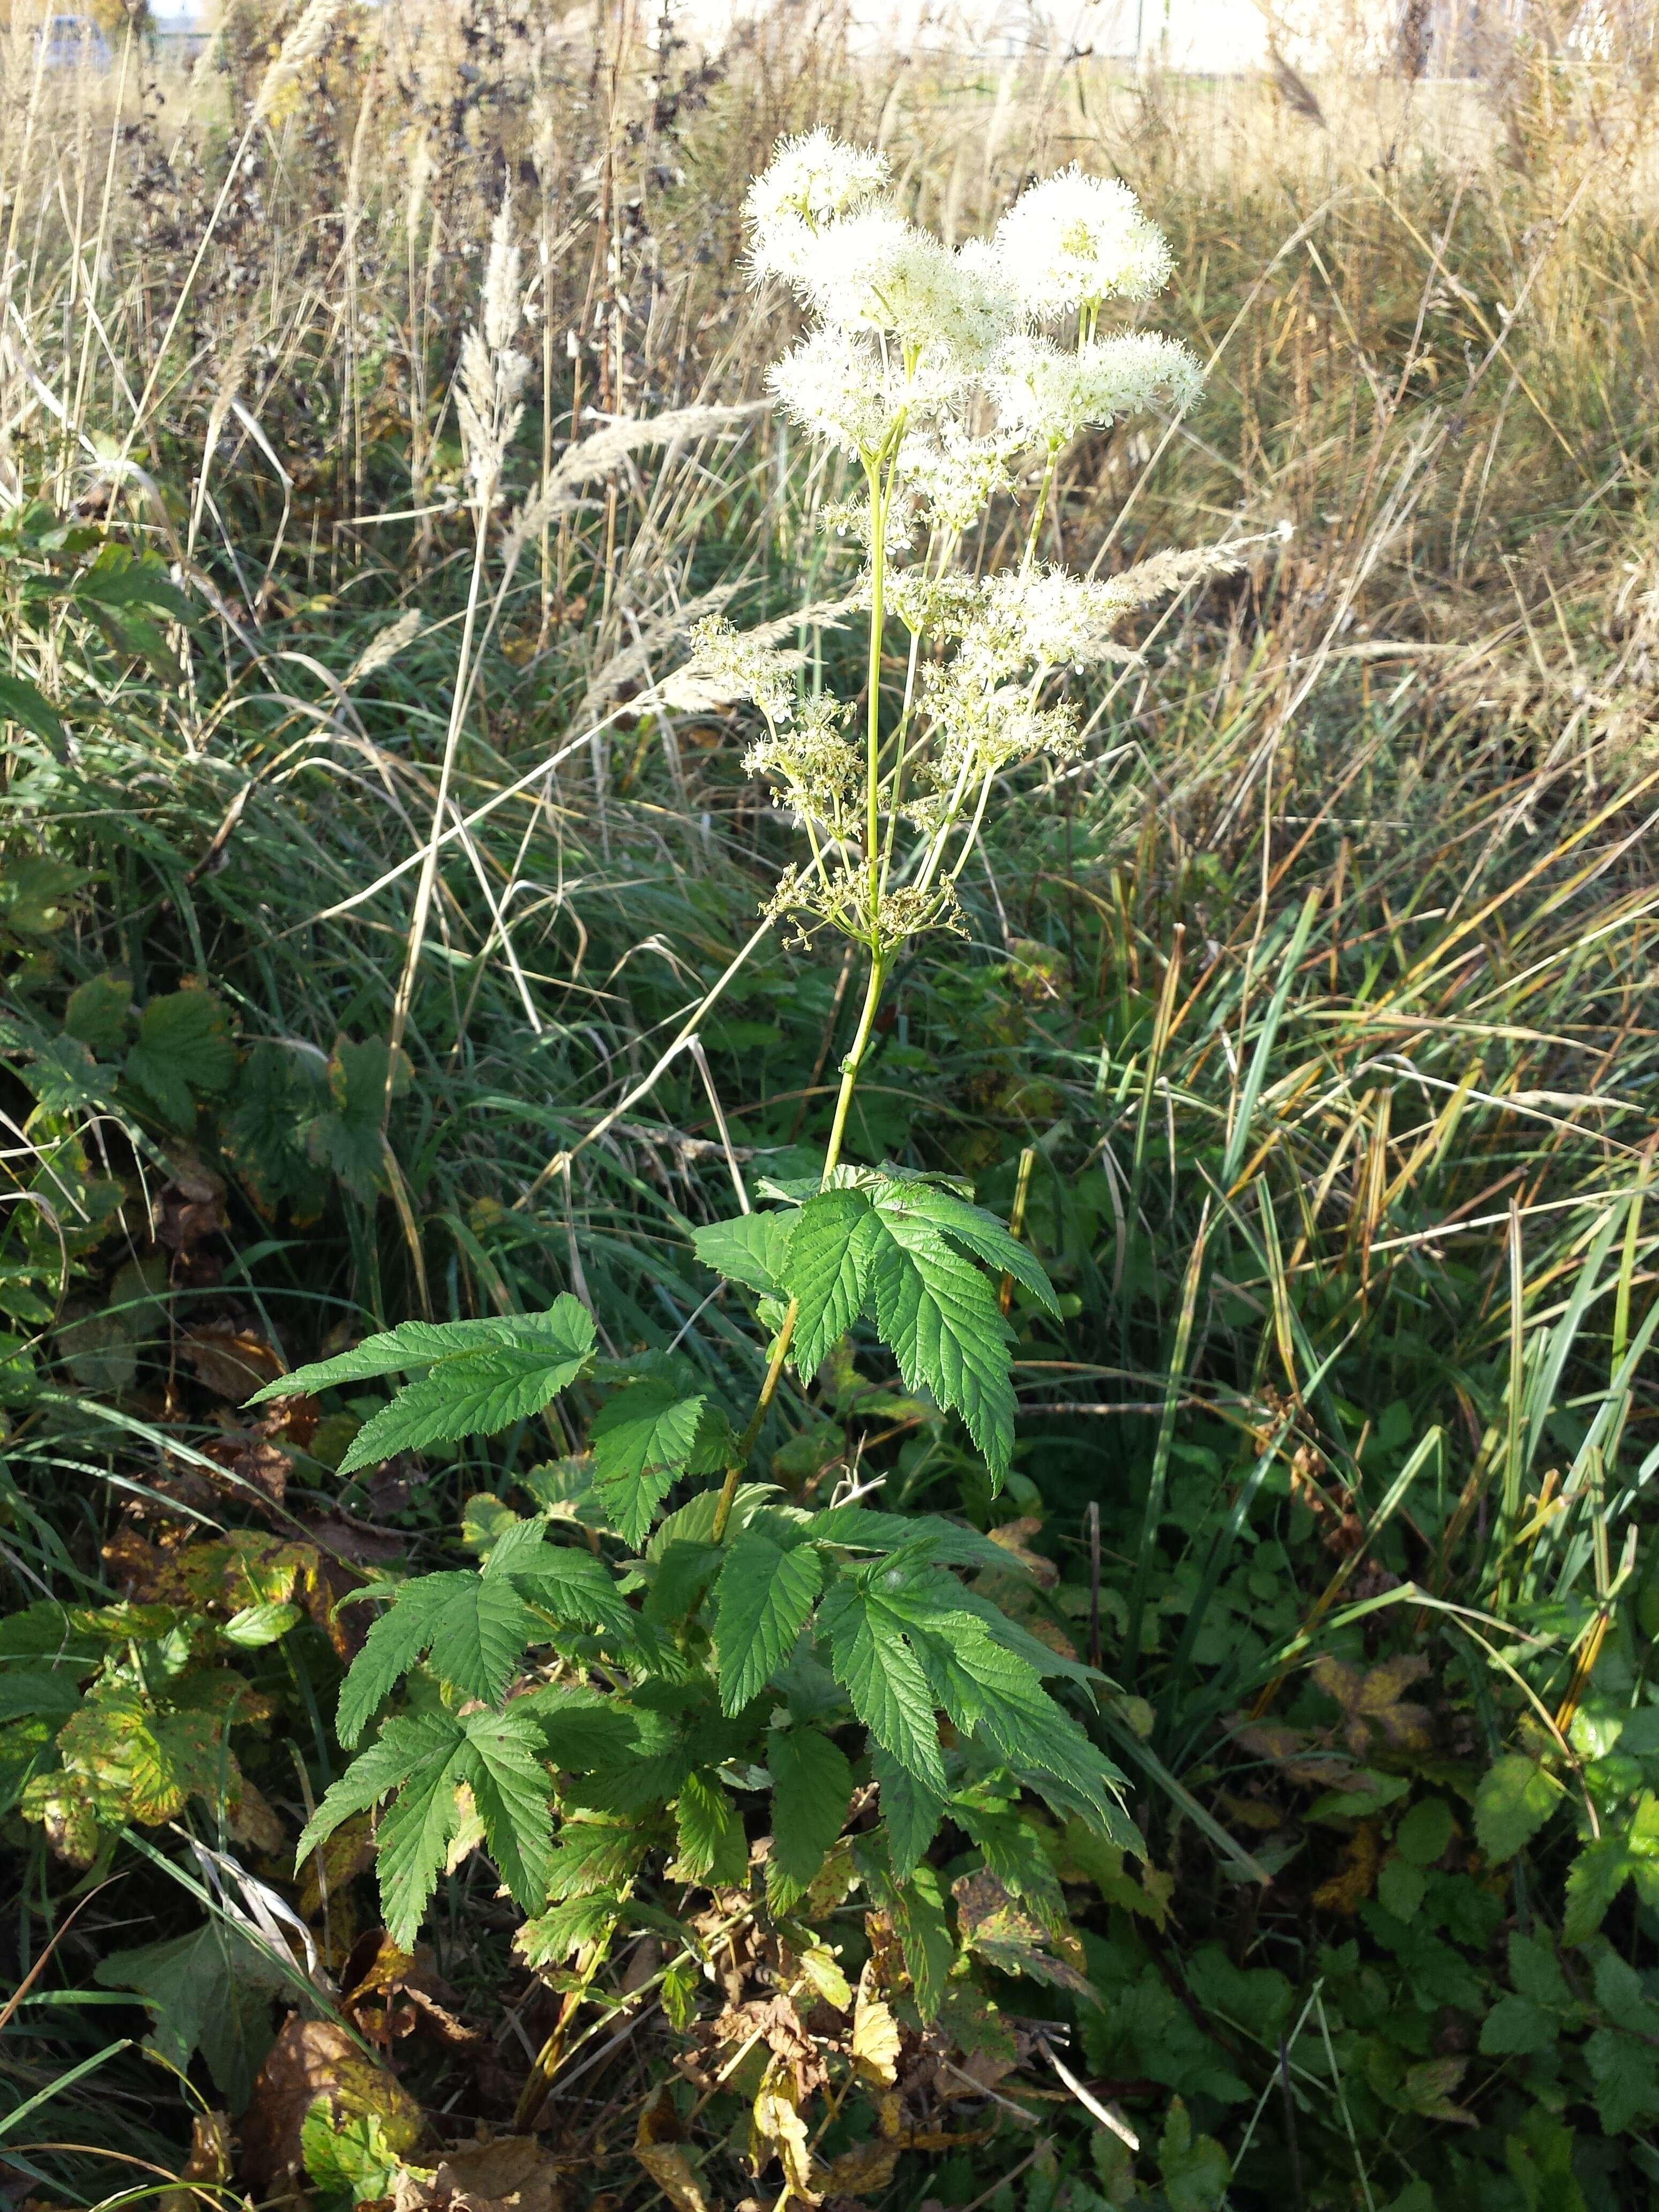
<point x="420" y="176"/>
<point x="304" y="42"/>
<point x="385" y="646"/>
<point x="493" y="371"/>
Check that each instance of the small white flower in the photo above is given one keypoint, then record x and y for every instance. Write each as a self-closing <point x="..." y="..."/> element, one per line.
<point x="812" y="180"/>
<point x="1074" y="240"/>
<point x="728" y="664"/>
<point x="956" y="475"/>
<point x="837" y="385"/>
<point x="1046" y="396"/>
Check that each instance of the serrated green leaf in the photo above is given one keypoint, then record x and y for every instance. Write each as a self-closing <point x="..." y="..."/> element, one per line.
<point x="557" y="1935"/>
<point x="929" y="1536"/>
<point x="766" y="1593"/>
<point x="415" y="1837"/>
<point x="97" y="1012"/>
<point x="1517" y="2027"/>
<point x="405" y="1745"/>
<point x="832" y="1244"/>
<point x="916" y="1908"/>
<point x="881" y="1675"/>
<point x="595" y="1854"/>
<point x="710" y="1844"/>
<point x="1536" y="1971"/>
<point x="642" y="1441"/>
<point x="981" y="1232"/>
<point x="1515" y="1798"/>
<point x="1626" y="2080"/>
<point x="811" y="1788"/>
<point x="748" y="1251"/>
<point x="474" y="1393"/>
<point x="936" y="1314"/>
<point x="394" y="1644"/>
<point x="572" y="1585"/>
<point x="513" y="1794"/>
<point x="185" y="1052"/>
<point x="475" y="1628"/>
<point x="910" y="1809"/>
<point x="563" y="1332"/>
<point x="1422" y="1835"/>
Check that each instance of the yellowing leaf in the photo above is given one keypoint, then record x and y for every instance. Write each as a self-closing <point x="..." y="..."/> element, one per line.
<point x="875" y="2038"/>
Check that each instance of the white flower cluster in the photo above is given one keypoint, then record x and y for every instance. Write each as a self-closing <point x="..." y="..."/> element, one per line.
<point x="1074" y="241"/>
<point x="1046" y="396"/>
<point x="910" y="331"/>
<point x="934" y="371"/>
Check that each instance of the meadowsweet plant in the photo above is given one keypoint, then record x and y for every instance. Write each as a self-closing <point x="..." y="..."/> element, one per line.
<point x="669" y="1696"/>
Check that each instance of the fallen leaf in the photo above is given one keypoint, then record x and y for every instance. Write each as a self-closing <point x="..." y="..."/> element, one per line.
<point x="660" y="2147"/>
<point x="876" y="2040"/>
<point x="232" y="1362"/>
<point x="1347" y="1891"/>
<point x="1372" y="1701"/>
<point x="209" y="2160"/>
<point x="312" y="2058"/>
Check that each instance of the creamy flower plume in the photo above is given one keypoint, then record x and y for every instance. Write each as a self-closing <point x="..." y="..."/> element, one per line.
<point x="812" y="180"/>
<point x="1047" y="395"/>
<point x="1074" y="240"/>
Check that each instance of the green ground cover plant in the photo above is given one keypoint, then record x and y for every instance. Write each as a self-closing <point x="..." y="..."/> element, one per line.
<point x="1089" y="1642"/>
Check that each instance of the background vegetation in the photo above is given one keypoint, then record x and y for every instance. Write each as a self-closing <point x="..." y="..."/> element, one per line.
<point x="1306" y="1032"/>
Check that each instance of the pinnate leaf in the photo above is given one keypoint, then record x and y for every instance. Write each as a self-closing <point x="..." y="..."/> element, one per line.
<point x="766" y="1593"/>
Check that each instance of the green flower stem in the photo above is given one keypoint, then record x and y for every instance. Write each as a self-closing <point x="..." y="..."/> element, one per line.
<point x="849" y="1076"/>
<point x="873" y="714"/>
